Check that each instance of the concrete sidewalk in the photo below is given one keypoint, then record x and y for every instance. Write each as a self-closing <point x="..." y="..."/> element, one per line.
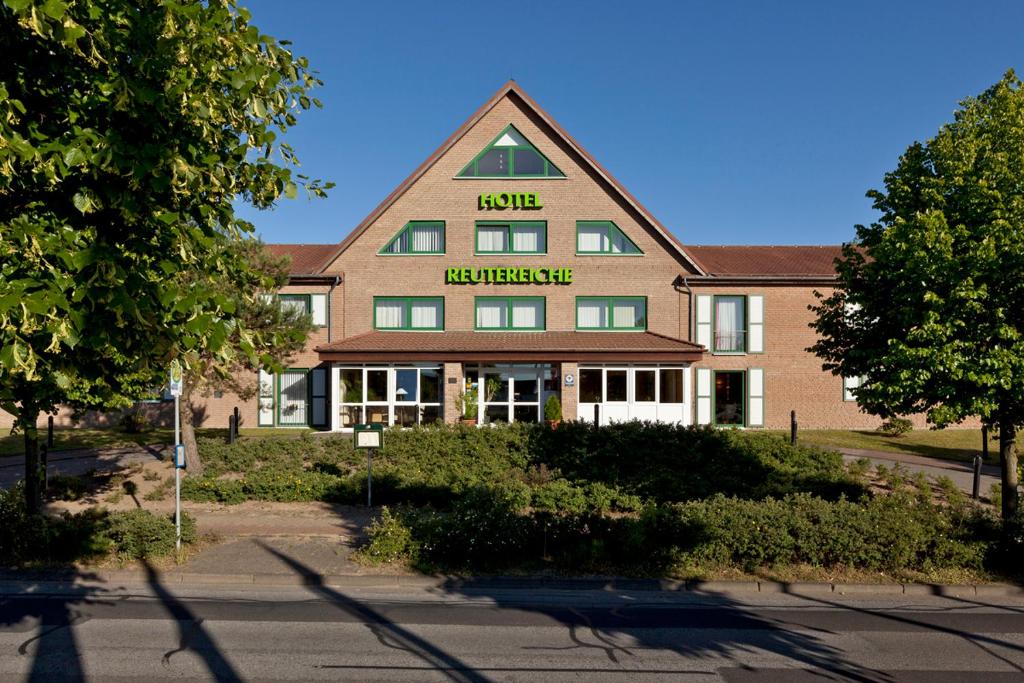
<point x="961" y="473"/>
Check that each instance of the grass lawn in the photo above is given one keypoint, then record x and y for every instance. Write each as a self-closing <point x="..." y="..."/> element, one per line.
<point x="947" y="444"/>
<point x="66" y="438"/>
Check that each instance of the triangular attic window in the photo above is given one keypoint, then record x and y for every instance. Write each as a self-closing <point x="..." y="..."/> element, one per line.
<point x="510" y="155"/>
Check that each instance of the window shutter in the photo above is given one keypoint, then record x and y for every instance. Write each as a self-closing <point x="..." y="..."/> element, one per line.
<point x="704" y="396"/>
<point x="318" y="397"/>
<point x="318" y="305"/>
<point x="755" y="397"/>
<point x="266" y="399"/>
<point x="755" y="324"/>
<point x="704" y="320"/>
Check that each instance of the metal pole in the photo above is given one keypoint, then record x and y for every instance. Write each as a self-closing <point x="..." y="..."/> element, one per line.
<point x="978" y="457"/>
<point x="49" y="431"/>
<point x="45" y="454"/>
<point x="237" y="420"/>
<point x="177" y="475"/>
<point x="597" y="415"/>
<point x="792" y="427"/>
<point x="369" y="477"/>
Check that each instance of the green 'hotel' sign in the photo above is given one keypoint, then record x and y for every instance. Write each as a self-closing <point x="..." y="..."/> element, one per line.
<point x="510" y="200"/>
<point x="508" y="276"/>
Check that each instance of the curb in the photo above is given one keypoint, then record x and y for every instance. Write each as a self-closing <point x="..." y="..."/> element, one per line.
<point x="43" y="581"/>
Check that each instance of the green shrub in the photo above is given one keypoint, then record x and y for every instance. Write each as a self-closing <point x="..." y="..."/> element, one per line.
<point x="896" y="426"/>
<point x="552" y="409"/>
<point x="67" y="487"/>
<point x="140" y="534"/>
<point x="390" y="540"/>
<point x="134" y="422"/>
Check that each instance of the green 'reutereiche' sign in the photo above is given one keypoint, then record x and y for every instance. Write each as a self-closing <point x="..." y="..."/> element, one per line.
<point x="508" y="276"/>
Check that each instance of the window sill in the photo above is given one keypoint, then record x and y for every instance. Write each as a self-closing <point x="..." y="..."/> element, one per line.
<point x="605" y="253"/>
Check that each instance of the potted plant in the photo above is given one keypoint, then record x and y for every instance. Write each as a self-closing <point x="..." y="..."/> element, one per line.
<point x="553" y="411"/>
<point x="470" y="406"/>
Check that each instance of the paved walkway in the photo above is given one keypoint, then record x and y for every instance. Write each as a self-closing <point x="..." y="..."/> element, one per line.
<point x="961" y="473"/>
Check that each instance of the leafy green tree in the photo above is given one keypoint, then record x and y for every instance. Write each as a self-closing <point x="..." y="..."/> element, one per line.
<point x="128" y="131"/>
<point x="263" y="336"/>
<point x="929" y="309"/>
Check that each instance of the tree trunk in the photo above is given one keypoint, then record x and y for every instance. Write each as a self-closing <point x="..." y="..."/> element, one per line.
<point x="33" y="480"/>
<point x="194" y="464"/>
<point x="1008" y="460"/>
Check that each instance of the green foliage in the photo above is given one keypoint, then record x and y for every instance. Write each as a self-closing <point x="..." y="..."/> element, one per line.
<point x="948" y="248"/>
<point x="67" y="487"/>
<point x="552" y="409"/>
<point x="569" y="470"/>
<point x="139" y="534"/>
<point x="469" y="404"/>
<point x="390" y="540"/>
<point x="896" y="426"/>
<point x="92" y="534"/>
<point x="890" y="533"/>
<point x="129" y="133"/>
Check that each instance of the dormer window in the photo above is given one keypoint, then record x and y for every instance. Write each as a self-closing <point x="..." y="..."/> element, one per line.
<point x="510" y="155"/>
<point x="417" y="237"/>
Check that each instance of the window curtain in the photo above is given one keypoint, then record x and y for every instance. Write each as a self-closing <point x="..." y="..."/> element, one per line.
<point x="491" y="314"/>
<point x="591" y="314"/>
<point x="528" y="238"/>
<point x="426" y="315"/>
<point x="400" y="245"/>
<point x="527" y="314"/>
<point x="289" y="304"/>
<point x="426" y="238"/>
<point x="293" y="398"/>
<point x="492" y="238"/>
<point x="389" y="314"/>
<point x="728" y="323"/>
<point x="627" y="314"/>
<point x="592" y="238"/>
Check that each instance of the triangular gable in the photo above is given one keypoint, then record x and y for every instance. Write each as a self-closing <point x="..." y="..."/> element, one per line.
<point x="511" y="87"/>
<point x="510" y="155"/>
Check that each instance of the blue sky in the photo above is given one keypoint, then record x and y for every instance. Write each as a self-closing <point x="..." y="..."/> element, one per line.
<point x="732" y="122"/>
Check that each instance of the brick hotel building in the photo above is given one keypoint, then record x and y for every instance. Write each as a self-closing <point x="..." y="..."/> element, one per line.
<point x="513" y="263"/>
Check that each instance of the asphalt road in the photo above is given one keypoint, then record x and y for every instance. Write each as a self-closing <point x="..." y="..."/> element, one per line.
<point x="321" y="633"/>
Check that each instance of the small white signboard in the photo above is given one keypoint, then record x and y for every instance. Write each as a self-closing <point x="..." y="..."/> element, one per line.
<point x="175" y="380"/>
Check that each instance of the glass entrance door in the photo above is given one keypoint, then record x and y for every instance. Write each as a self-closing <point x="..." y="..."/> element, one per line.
<point x="510" y="395"/>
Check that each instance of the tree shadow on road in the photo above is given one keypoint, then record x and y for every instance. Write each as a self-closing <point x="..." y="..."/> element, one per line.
<point x="389" y="633"/>
<point x="50" y="612"/>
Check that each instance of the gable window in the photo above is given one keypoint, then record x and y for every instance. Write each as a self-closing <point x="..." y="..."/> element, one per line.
<point x="511" y="238"/>
<point x="603" y="237"/>
<point x="510" y="155"/>
<point x="313" y="304"/>
<point x="408" y="313"/>
<point x="417" y="237"/>
<point x="510" y="313"/>
<point x="626" y="313"/>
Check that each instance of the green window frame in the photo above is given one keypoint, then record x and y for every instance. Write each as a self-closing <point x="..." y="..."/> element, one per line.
<point x="742" y="331"/>
<point x="509" y="301"/>
<point x="307" y="300"/>
<point x="510" y="230"/>
<point x="549" y="170"/>
<point x="612" y="231"/>
<point x="406" y="233"/>
<point x="609" y="302"/>
<point x="407" y="304"/>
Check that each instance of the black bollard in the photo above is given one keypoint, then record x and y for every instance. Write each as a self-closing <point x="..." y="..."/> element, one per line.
<point x="238" y="421"/>
<point x="978" y="458"/>
<point x="49" y="431"/>
<point x="597" y="415"/>
<point x="792" y="427"/>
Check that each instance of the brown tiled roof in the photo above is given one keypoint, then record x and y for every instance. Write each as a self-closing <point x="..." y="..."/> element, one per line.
<point x="510" y="88"/>
<point x="540" y="346"/>
<point x="766" y="261"/>
<point x="306" y="258"/>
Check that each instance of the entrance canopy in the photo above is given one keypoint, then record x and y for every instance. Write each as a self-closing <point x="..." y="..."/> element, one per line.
<point x="489" y="347"/>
